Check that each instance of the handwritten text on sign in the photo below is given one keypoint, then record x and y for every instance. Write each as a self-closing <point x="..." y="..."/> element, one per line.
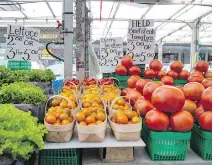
<point x="22" y="43"/>
<point x="111" y="52"/>
<point x="141" y="42"/>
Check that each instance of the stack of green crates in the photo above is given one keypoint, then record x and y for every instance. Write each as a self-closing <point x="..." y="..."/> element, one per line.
<point x="60" y="157"/>
<point x="19" y="65"/>
<point x="177" y="82"/>
<point x="201" y="142"/>
<point x="166" y="146"/>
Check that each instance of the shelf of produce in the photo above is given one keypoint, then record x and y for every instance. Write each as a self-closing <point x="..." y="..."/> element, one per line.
<point x="90" y="157"/>
<point x="109" y="141"/>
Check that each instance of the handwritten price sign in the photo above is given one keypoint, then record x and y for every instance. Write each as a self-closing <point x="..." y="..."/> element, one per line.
<point x="141" y="41"/>
<point x="22" y="43"/>
<point x="111" y="52"/>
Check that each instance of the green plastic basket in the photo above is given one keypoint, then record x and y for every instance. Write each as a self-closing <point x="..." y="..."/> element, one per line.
<point x="201" y="142"/>
<point x="107" y="75"/>
<point x="179" y="82"/>
<point x="19" y="65"/>
<point x="59" y="157"/>
<point x="166" y="146"/>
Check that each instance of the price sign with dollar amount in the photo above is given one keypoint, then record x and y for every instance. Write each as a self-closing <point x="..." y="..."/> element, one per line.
<point x="22" y="43"/>
<point x="141" y="41"/>
<point x="111" y="52"/>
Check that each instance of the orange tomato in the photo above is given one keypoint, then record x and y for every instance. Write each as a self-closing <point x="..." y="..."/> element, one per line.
<point x="86" y="104"/>
<point x="121" y="101"/>
<point x="55" y="102"/>
<point x="94" y="114"/>
<point x="80" y="116"/>
<point x="99" y="122"/>
<point x="51" y="119"/>
<point x="63" y="104"/>
<point x="70" y="119"/>
<point x="90" y="119"/>
<point x="130" y="114"/>
<point x="65" y="122"/>
<point x="52" y="110"/>
<point x="63" y="116"/>
<point x="136" y="119"/>
<point x="83" y="123"/>
<point x="101" y="116"/>
<point x="87" y="112"/>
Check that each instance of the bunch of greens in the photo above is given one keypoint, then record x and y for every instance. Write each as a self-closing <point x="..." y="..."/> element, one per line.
<point x="21" y="93"/>
<point x="20" y="134"/>
<point x="18" y="76"/>
<point x="50" y="75"/>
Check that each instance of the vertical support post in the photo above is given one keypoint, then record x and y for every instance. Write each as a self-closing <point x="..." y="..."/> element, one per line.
<point x="68" y="37"/>
<point x="160" y="51"/>
<point x="194" y="43"/>
<point x="206" y="56"/>
<point x="80" y="45"/>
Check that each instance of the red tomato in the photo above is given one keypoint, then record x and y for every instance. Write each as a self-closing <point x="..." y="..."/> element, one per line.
<point x="143" y="106"/>
<point x="176" y="66"/>
<point x="193" y="91"/>
<point x="168" y="99"/>
<point x="190" y="106"/>
<point x="202" y="66"/>
<point x="180" y="87"/>
<point x="127" y="61"/>
<point x="125" y="91"/>
<point x="206" y="99"/>
<point x="199" y="111"/>
<point x="205" y="121"/>
<point x="132" y="81"/>
<point x="208" y="74"/>
<point x="132" y="96"/>
<point x="172" y="74"/>
<point x="149" y="89"/>
<point x="160" y="74"/>
<point x="195" y="79"/>
<point x="149" y="73"/>
<point x="155" y="65"/>
<point x="207" y="82"/>
<point x="157" y="121"/>
<point x="121" y="70"/>
<point x="141" y="83"/>
<point x="167" y="80"/>
<point x="184" y="75"/>
<point x="134" y="70"/>
<point x="141" y="98"/>
<point x="181" y="121"/>
<point x="196" y="73"/>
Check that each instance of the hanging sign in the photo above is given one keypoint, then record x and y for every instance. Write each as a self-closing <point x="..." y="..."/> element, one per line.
<point x="141" y="41"/>
<point x="111" y="52"/>
<point x="22" y="43"/>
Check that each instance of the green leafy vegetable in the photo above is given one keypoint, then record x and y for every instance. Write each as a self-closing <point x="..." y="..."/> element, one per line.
<point x="21" y="93"/>
<point x="20" y="134"/>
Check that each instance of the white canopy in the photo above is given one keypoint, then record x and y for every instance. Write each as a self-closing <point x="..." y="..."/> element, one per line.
<point x="172" y="17"/>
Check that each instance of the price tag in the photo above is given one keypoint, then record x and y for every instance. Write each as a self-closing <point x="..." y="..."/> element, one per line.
<point x="22" y="43"/>
<point x="111" y="52"/>
<point x="141" y="41"/>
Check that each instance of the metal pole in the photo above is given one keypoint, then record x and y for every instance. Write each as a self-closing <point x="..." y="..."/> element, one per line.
<point x="68" y="37"/>
<point x="194" y="43"/>
<point x="160" y="51"/>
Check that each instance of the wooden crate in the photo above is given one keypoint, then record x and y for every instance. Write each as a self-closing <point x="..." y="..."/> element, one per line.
<point x="116" y="154"/>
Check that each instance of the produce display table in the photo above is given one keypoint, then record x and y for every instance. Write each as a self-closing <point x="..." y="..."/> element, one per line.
<point x="90" y="157"/>
<point x="109" y="141"/>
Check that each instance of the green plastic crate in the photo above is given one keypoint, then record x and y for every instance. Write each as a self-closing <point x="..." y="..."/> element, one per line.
<point x="201" y="142"/>
<point x="166" y="146"/>
<point x="19" y="65"/>
<point x="179" y="82"/>
<point x="107" y="75"/>
<point x="59" y="157"/>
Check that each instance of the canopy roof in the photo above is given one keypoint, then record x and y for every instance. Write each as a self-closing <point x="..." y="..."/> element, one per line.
<point x="172" y="17"/>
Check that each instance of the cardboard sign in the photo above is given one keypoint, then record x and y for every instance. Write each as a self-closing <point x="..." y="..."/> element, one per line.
<point x="141" y="41"/>
<point x="22" y="43"/>
<point x="111" y="52"/>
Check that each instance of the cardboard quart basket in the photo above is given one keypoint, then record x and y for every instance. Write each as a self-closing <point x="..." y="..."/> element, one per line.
<point x="126" y="132"/>
<point x="59" y="134"/>
<point x="93" y="133"/>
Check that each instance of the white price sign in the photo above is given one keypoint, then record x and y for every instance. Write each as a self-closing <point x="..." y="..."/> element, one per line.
<point x="141" y="41"/>
<point x="22" y="43"/>
<point x="111" y="52"/>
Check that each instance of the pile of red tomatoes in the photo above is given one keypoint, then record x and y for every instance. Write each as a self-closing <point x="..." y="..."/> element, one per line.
<point x="169" y="108"/>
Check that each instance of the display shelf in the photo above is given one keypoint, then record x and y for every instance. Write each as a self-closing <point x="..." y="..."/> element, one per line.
<point x="109" y="141"/>
<point x="90" y="157"/>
